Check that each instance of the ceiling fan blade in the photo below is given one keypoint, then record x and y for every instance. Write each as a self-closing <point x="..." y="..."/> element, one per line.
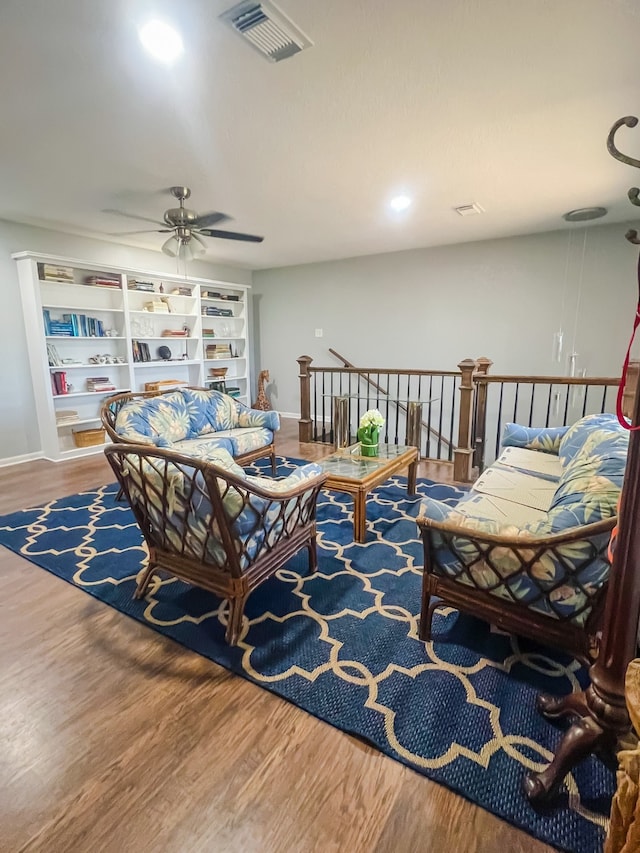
<point x="204" y="220"/>
<point x="134" y="216"/>
<point x="231" y="235"/>
<point x="146" y="231"/>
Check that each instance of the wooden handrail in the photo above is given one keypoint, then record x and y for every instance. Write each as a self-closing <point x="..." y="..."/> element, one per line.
<point x="350" y="368"/>
<point x="548" y="380"/>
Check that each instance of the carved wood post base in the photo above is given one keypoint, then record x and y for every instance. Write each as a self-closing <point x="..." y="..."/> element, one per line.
<point x="601" y="719"/>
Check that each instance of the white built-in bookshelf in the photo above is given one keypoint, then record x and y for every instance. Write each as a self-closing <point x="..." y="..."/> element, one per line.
<point x="95" y="329"/>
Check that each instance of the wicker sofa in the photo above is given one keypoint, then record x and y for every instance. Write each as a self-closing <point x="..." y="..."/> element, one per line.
<point x="539" y="571"/>
<point x="193" y="422"/>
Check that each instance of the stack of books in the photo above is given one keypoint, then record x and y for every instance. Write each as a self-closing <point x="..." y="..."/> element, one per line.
<point x="53" y="356"/>
<point x="102" y="281"/>
<point x="212" y="311"/>
<point x="66" y="416"/>
<point x="140" y="351"/>
<point x="72" y="326"/>
<point x="175" y="333"/>
<point x="156" y="307"/>
<point x="147" y="286"/>
<point x="100" y="383"/>
<point x="50" y="272"/>
<point x="218" y="351"/>
<point x="181" y="291"/>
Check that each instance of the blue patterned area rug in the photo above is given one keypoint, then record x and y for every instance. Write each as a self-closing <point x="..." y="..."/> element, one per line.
<point x="343" y="644"/>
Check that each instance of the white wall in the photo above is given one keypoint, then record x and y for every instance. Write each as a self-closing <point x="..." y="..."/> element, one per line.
<point x="430" y="308"/>
<point x="18" y="427"/>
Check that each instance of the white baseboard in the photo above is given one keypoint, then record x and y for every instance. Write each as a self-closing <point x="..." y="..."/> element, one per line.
<point x="17" y="460"/>
<point x="294" y="415"/>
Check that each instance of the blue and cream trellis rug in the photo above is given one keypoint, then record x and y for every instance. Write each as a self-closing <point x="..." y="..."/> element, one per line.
<point x="343" y="644"/>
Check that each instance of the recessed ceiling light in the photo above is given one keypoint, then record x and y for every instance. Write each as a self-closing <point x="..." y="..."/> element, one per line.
<point x="400" y="202"/>
<point x="161" y="40"/>
<point x="584" y="214"/>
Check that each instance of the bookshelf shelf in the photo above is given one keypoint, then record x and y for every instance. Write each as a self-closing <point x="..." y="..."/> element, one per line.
<point x="119" y="308"/>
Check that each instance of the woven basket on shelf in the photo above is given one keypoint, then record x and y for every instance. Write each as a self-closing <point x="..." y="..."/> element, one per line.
<point x="88" y="437"/>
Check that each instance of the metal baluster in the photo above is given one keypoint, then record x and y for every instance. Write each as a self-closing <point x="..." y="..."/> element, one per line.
<point x="546" y="423"/>
<point x="429" y="418"/>
<point x="324" y="422"/>
<point x="586" y="394"/>
<point x="566" y="406"/>
<point x="604" y="401"/>
<point x="451" y="425"/>
<point x="499" y="419"/>
<point x="533" y="394"/>
<point x="397" y="398"/>
<point x="315" y="407"/>
<point x="515" y="404"/>
<point x="441" y="413"/>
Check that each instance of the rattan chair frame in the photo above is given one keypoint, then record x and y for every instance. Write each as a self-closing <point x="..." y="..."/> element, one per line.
<point x="514" y="615"/>
<point x="112" y="405"/>
<point x="172" y="546"/>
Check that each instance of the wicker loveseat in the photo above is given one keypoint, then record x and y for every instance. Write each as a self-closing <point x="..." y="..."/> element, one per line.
<point x="541" y="574"/>
<point x="191" y="421"/>
<point x="212" y="525"/>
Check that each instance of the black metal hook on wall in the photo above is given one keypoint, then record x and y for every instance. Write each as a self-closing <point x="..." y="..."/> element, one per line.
<point x="629" y="121"/>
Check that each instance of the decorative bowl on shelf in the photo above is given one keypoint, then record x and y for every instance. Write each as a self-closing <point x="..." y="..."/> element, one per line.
<point x="220" y="372"/>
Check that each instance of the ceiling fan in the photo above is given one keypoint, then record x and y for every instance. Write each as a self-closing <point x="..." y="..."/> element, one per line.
<point x="185" y="227"/>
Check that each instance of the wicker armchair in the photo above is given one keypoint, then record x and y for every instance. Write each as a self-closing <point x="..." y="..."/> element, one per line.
<point x="544" y="588"/>
<point x="212" y="525"/>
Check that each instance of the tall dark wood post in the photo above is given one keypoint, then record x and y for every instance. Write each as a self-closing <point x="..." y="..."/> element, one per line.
<point x="479" y="439"/>
<point x="463" y="454"/>
<point x="601" y="709"/>
<point x="304" y="424"/>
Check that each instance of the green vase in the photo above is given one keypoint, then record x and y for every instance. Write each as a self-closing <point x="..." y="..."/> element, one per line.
<point x="368" y="439"/>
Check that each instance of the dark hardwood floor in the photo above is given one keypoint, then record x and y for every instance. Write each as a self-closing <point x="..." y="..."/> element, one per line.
<point x="114" y="738"/>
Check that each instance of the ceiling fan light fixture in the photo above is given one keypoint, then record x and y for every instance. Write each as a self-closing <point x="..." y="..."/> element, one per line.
<point x="185" y="250"/>
<point x="171" y="247"/>
<point x="199" y="247"/>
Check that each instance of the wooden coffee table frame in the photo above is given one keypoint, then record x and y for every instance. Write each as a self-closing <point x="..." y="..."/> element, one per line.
<point x="359" y="487"/>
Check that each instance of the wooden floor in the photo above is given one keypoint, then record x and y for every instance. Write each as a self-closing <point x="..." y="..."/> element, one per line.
<point x="114" y="738"/>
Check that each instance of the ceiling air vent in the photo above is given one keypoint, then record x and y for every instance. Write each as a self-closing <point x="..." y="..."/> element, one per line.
<point x="267" y="29"/>
<point x="469" y="209"/>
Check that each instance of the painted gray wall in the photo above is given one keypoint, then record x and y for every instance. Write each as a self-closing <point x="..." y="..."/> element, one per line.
<point x="18" y="427"/>
<point x="430" y="308"/>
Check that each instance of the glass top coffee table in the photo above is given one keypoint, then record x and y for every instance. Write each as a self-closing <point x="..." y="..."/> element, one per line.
<point x="356" y="475"/>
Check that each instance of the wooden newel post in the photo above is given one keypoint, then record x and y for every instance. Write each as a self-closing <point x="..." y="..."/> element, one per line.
<point x="463" y="454"/>
<point x="478" y="443"/>
<point x="304" y="424"/>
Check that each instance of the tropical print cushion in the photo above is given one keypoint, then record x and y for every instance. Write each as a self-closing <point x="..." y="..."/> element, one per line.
<point x="163" y="419"/>
<point x="187" y="526"/>
<point x="561" y="583"/>
<point x="212" y="411"/>
<point x="545" y="439"/>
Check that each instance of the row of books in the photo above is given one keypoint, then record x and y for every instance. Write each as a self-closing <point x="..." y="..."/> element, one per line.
<point x="140" y="351"/>
<point x="72" y="326"/>
<point x="59" y="382"/>
<point x="218" y="351"/>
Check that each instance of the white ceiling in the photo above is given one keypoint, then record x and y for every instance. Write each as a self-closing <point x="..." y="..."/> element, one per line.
<point x="500" y="102"/>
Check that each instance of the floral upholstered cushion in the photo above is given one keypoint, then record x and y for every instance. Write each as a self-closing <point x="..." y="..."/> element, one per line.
<point x="161" y="420"/>
<point x="179" y="506"/>
<point x="213" y="411"/>
<point x="544" y="439"/>
<point x="560" y="583"/>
